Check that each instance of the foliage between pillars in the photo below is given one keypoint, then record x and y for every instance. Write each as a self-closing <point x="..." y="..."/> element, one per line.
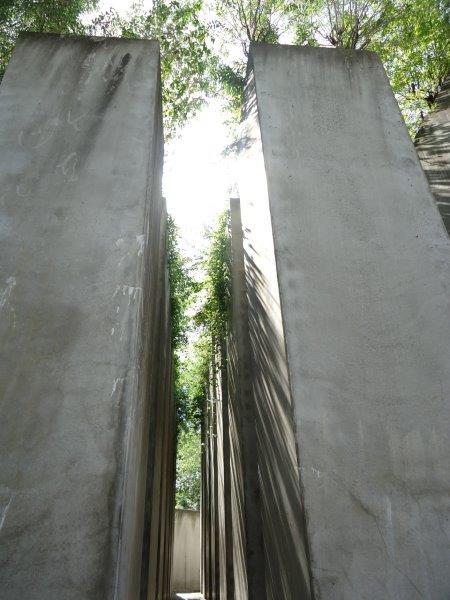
<point x="245" y="21"/>
<point x="238" y="23"/>
<point x="182" y="292"/>
<point x="193" y="357"/>
<point x="190" y="367"/>
<point x="182" y="287"/>
<point x="213" y="315"/>
<point x="191" y="395"/>
<point x="188" y="473"/>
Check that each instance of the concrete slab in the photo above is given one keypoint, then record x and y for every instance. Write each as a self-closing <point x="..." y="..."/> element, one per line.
<point x="82" y="248"/>
<point x="186" y="550"/>
<point x="348" y="267"/>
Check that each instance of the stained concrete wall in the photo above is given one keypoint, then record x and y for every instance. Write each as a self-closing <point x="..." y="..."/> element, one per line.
<point x="348" y="270"/>
<point x="186" y="551"/>
<point x="433" y="147"/>
<point x="84" y="355"/>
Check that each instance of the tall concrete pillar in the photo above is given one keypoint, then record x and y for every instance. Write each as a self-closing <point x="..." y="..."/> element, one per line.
<point x="348" y="273"/>
<point x="225" y="530"/>
<point x="85" y="353"/>
<point x="247" y="538"/>
<point x="217" y="526"/>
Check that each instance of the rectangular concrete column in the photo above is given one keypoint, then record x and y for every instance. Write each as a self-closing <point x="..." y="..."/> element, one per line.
<point x="225" y="529"/>
<point x="248" y="549"/>
<point x="85" y="352"/>
<point x="348" y="271"/>
<point x="217" y="533"/>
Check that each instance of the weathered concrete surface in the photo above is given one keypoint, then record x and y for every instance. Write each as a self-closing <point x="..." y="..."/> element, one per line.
<point x="433" y="147"/>
<point x="84" y="331"/>
<point x="286" y="564"/>
<point x="186" y="552"/>
<point x="158" y="532"/>
<point x="217" y="532"/>
<point x="347" y="266"/>
<point x="247" y="539"/>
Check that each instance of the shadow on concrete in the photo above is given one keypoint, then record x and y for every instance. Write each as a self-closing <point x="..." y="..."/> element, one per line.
<point x="433" y="147"/>
<point x="283" y="520"/>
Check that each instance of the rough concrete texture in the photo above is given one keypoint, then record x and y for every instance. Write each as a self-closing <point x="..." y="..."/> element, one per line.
<point x="186" y="552"/>
<point x="247" y="539"/>
<point x="84" y="331"/>
<point x="348" y="270"/>
<point x="217" y="528"/>
<point x="433" y="147"/>
<point x="285" y="548"/>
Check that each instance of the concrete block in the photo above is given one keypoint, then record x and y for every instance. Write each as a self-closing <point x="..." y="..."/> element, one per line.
<point x="82" y="259"/>
<point x="247" y="538"/>
<point x="348" y="272"/>
<point x="186" y="552"/>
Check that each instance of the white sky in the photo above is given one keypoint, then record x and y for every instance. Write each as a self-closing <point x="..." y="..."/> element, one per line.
<point x="197" y="178"/>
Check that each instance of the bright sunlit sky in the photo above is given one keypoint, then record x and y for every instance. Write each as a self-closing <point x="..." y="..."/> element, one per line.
<point x="197" y="177"/>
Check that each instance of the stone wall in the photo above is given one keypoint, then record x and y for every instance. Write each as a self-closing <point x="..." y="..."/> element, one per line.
<point x="87" y="417"/>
